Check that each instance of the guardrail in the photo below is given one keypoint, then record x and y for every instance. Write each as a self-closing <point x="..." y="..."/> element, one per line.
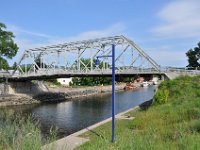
<point x="46" y="72"/>
<point x="97" y="71"/>
<point x="182" y="70"/>
<point x="4" y="74"/>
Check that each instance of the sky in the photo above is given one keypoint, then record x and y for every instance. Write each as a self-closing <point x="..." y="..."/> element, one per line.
<point x="164" y="29"/>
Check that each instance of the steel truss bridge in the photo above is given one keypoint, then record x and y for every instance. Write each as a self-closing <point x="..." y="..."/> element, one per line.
<point x="78" y="59"/>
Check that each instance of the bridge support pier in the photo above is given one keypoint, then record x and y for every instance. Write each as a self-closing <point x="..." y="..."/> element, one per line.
<point x="163" y="77"/>
<point x="4" y="89"/>
<point x="26" y="87"/>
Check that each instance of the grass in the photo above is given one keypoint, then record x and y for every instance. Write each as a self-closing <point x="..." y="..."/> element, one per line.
<point x="17" y="133"/>
<point x="168" y="125"/>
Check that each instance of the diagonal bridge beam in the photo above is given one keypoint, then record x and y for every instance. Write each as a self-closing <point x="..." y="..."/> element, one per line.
<point x="76" y="52"/>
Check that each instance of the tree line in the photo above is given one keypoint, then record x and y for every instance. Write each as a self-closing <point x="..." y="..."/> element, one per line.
<point x="8" y="48"/>
<point x="194" y="57"/>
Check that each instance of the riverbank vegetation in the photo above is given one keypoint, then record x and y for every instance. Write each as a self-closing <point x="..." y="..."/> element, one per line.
<point x="173" y="122"/>
<point x="193" y="56"/>
<point x="8" y="49"/>
<point x="95" y="81"/>
<point x="17" y="133"/>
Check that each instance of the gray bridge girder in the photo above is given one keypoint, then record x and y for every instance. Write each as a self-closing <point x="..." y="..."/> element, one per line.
<point x="46" y="60"/>
<point x="69" y="59"/>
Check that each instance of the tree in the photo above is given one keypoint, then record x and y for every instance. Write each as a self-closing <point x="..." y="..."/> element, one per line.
<point x="194" y="57"/>
<point x="40" y="63"/>
<point x="86" y="62"/>
<point x="8" y="49"/>
<point x="91" y="81"/>
<point x="3" y="63"/>
<point x="14" y="66"/>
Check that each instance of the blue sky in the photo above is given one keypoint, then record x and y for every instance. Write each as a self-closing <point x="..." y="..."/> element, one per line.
<point x="165" y="29"/>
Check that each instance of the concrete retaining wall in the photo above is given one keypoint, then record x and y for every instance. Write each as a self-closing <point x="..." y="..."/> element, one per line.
<point x="4" y="89"/>
<point x="1" y="89"/>
<point x="25" y="88"/>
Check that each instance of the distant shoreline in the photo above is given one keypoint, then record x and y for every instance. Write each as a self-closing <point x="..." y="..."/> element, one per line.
<point x="57" y="94"/>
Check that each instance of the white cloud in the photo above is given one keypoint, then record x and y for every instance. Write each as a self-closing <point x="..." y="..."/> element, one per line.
<point x="116" y="29"/>
<point x="25" y="42"/>
<point x="165" y="57"/>
<point x="179" y="18"/>
<point x="19" y="32"/>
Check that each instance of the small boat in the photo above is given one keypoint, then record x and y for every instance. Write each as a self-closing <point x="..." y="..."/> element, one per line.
<point x="129" y="87"/>
<point x="145" y="84"/>
<point x="155" y="82"/>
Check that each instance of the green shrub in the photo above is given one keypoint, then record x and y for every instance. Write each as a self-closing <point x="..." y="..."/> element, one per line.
<point x="53" y="81"/>
<point x="195" y="126"/>
<point x="161" y="96"/>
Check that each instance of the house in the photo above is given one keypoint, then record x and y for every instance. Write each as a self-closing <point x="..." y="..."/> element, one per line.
<point x="64" y="81"/>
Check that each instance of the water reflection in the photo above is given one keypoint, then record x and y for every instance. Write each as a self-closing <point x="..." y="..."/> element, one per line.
<point x="69" y="117"/>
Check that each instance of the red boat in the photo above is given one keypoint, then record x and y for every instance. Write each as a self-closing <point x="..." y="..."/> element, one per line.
<point x="129" y="87"/>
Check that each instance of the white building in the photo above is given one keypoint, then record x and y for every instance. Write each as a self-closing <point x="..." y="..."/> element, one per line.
<point x="64" y="81"/>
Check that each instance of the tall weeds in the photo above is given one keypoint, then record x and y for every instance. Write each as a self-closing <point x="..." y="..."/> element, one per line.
<point x="17" y="133"/>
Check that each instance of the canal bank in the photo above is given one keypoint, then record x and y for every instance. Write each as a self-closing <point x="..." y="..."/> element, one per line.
<point x="170" y="124"/>
<point x="50" y="94"/>
<point x="69" y="117"/>
<point x="75" y="140"/>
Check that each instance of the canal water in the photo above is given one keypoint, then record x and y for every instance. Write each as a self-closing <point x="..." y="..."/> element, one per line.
<point x="71" y="116"/>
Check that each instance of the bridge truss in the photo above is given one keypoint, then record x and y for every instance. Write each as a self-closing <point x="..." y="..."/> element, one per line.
<point x="78" y="58"/>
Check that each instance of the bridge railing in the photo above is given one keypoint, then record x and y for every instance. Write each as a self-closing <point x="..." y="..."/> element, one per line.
<point x="180" y="70"/>
<point x="96" y="71"/>
<point x="4" y="74"/>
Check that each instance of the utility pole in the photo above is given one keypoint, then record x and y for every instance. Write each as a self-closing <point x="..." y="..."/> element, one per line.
<point x="113" y="88"/>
